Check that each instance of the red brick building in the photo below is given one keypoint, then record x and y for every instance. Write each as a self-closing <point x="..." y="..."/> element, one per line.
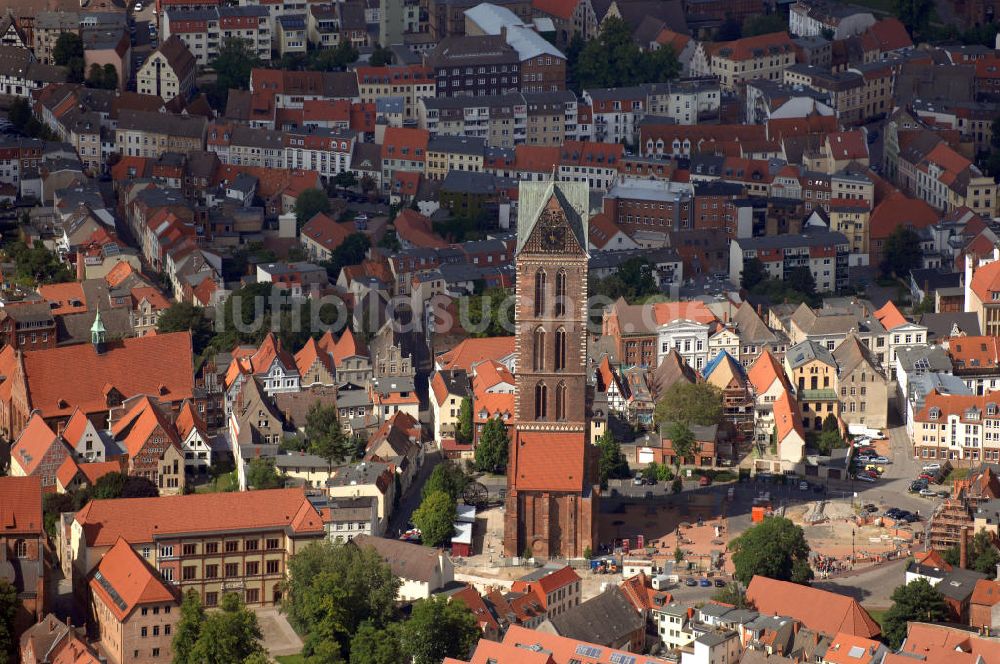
<point x="550" y="501"/>
<point x="22" y="546"/>
<point x="38" y="452"/>
<point x="135" y="611"/>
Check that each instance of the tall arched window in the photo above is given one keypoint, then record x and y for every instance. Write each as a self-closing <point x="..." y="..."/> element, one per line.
<point x="538" y="350"/>
<point x="541" y="401"/>
<point x="561" y="401"/>
<point x="540" y="292"/>
<point x="561" y="293"/>
<point x="560" y="362"/>
<point x="20" y="549"/>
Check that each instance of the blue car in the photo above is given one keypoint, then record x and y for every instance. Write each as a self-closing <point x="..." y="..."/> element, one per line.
<point x="705" y="583"/>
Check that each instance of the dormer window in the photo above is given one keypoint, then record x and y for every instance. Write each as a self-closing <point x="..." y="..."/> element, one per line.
<point x="934" y="413"/>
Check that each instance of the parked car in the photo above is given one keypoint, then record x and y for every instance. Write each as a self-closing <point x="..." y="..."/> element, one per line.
<point x="863" y="458"/>
<point x="894" y="512"/>
<point x="720" y="583"/>
<point x="705" y="583"/>
<point x="880" y="459"/>
<point x="909" y="517"/>
<point x="931" y="466"/>
<point x="638" y="481"/>
<point x="866" y="478"/>
<point x="870" y="508"/>
<point x="928" y="493"/>
<point x="803" y="486"/>
<point x="705" y="480"/>
<point x="862" y="442"/>
<point x="690" y="582"/>
<point x="137" y="8"/>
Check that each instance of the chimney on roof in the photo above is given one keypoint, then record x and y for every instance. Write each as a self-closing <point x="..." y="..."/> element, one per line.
<point x="963" y="548"/>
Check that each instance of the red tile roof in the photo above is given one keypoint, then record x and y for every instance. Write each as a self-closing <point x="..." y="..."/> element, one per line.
<point x="985" y="281"/>
<point x="68" y="297"/>
<point x="886" y="35"/>
<point x="847" y="144"/>
<point x="33" y="444"/>
<point x="188" y="420"/>
<point x="890" y="316"/>
<point x="325" y="231"/>
<point x="748" y="48"/>
<point x="764" y="371"/>
<point x="817" y="609"/>
<point x="472" y="351"/>
<point x="549" y="461"/>
<point x="140" y="520"/>
<point x="559" y="8"/>
<point x="20" y="505"/>
<point x="309" y="354"/>
<point x="925" y="638"/>
<point x="979" y="352"/>
<point x="900" y="210"/>
<point x="405" y="143"/>
<point x="347" y="346"/>
<point x="471" y="598"/>
<point x="136" y="427"/>
<point x="61" y="379"/>
<point x="415" y="228"/>
<point x="986" y="593"/>
<point x="124" y="581"/>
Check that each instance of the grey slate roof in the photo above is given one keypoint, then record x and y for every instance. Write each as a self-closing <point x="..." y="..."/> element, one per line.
<point x="604" y="620"/>
<point x="573" y="197"/>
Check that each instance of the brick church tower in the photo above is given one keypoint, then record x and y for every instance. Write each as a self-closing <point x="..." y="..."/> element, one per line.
<point x="550" y="494"/>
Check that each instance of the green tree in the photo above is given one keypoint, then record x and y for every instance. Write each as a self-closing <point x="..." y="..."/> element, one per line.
<point x="491" y="451"/>
<point x="36" y="265"/>
<point x="463" y="430"/>
<point x="682" y="441"/>
<point x="334" y="59"/>
<point x="677" y="486"/>
<point x="262" y="474"/>
<point x="729" y="30"/>
<point x="916" y="601"/>
<point x="902" y="252"/>
<point x="436" y="518"/>
<point x="801" y="279"/>
<point x="227" y="636"/>
<point x="775" y="548"/>
<point x="611" y="464"/>
<point x="19" y="113"/>
<point x="8" y="609"/>
<point x="181" y="316"/>
<point x="983" y="555"/>
<point x="753" y="273"/>
<point x="351" y="251"/>
<point x="333" y="588"/>
<point x="188" y="628"/>
<point x="236" y="60"/>
<point x="488" y="312"/>
<point x="390" y="240"/>
<point x="110" y="77"/>
<point x="633" y="280"/>
<point x="69" y="45"/>
<point x="763" y="24"/>
<point x="614" y="59"/>
<point x="448" y="477"/>
<point x="371" y="645"/>
<point x="327" y="439"/>
<point x="914" y="14"/>
<point x="109" y="486"/>
<point x="68" y="52"/>
<point x="438" y="628"/>
<point x="381" y="56"/>
<point x="310" y="203"/>
<point x="345" y="179"/>
<point x="139" y="487"/>
<point x="687" y="403"/>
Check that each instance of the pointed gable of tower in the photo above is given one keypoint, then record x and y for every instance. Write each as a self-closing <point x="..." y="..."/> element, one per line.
<point x="545" y="207"/>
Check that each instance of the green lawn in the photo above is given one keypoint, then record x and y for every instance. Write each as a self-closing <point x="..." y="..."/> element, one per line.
<point x="291" y="659"/>
<point x="877" y="614"/>
<point x="225" y="482"/>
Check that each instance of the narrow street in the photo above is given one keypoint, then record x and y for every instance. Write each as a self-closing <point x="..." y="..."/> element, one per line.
<point x="400" y="518"/>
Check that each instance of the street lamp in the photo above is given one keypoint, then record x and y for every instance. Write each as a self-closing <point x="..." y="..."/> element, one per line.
<point x="853" y="532"/>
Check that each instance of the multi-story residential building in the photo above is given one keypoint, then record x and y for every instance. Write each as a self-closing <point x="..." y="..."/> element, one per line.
<point x="326" y="151"/>
<point x="403" y="149"/>
<point x="809" y="18"/>
<point x="291" y="34"/>
<point x="240" y="543"/>
<point x="863" y="384"/>
<point x="470" y="66"/>
<point x="616" y="112"/>
<point x="168" y="72"/>
<point x="48" y="25"/>
<point x="23" y="545"/>
<point x="504" y="120"/>
<point x="136" y="611"/>
<point x="591" y="162"/>
<point x="150" y="134"/>
<point x="411" y="82"/>
<point x="452" y="153"/>
<point x="38" y="452"/>
<point x="825" y="253"/>
<point x="812" y="372"/>
<point x="551" y="117"/>
<point x="687" y="101"/>
<point x="447" y="17"/>
<point x="204" y="31"/>
<point x="958" y="427"/>
<point x="735" y="62"/>
<point x="846" y="90"/>
<point x="976" y="360"/>
<point x="982" y="294"/>
<point x="636" y="205"/>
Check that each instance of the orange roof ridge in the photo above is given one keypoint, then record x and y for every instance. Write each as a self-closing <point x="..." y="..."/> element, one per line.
<point x="124" y="581"/>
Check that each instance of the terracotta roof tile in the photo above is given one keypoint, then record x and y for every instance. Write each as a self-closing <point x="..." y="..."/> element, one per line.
<point x="20" y="505"/>
<point x="33" y="444"/>
<point x="986" y="280"/>
<point x="550" y="461"/>
<point x="898" y="209"/>
<point x="890" y="316"/>
<point x="325" y="231"/>
<point x="415" y="228"/>
<point x="124" y="581"/>
<point x="348" y="346"/>
<point x="138" y="520"/>
<point x="817" y="609"/>
<point x="64" y="378"/>
<point x="764" y="371"/>
<point x="471" y="351"/>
